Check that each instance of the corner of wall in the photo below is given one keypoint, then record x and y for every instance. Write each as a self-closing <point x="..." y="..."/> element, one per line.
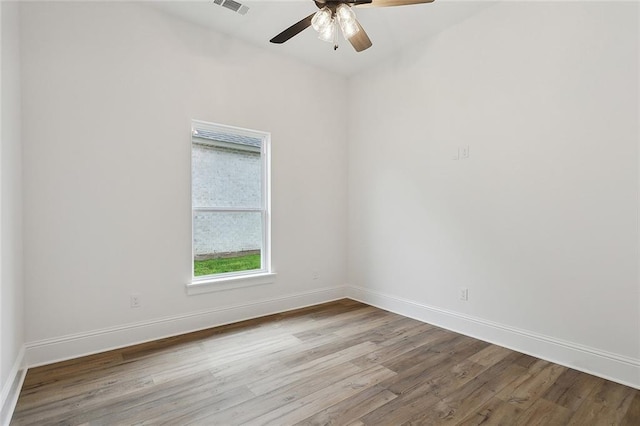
<point x="12" y="350"/>
<point x="11" y="389"/>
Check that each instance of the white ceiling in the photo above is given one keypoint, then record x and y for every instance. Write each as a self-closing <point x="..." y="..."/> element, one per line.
<point x="389" y="28"/>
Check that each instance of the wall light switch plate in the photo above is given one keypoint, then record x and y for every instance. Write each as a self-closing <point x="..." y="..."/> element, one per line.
<point x="464" y="294"/>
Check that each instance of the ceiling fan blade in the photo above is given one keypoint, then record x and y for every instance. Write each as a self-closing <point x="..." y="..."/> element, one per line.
<point x="293" y="30"/>
<point x="389" y="3"/>
<point x="360" y="40"/>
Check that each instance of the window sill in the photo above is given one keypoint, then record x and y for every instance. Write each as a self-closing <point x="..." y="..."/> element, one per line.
<point x="229" y="283"/>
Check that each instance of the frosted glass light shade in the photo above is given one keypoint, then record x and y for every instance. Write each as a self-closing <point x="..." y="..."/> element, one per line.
<point x="349" y="29"/>
<point x="328" y="33"/>
<point x="345" y="13"/>
<point x="321" y="20"/>
<point x="347" y="20"/>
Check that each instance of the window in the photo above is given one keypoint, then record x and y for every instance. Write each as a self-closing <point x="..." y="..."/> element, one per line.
<point x="230" y="202"/>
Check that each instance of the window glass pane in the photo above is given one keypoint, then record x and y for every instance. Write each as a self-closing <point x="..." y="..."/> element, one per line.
<point x="226" y="242"/>
<point x="224" y="176"/>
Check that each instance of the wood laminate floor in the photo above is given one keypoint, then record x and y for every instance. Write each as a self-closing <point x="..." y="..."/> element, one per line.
<point x="340" y="363"/>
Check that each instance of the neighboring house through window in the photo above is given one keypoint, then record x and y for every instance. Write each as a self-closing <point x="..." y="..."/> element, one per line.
<point x="230" y="202"/>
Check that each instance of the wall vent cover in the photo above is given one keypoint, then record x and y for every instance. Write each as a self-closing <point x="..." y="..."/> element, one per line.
<point x="233" y="5"/>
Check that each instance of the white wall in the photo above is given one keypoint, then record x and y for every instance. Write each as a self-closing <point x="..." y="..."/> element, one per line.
<point x="109" y="91"/>
<point x="11" y="282"/>
<point x="541" y="222"/>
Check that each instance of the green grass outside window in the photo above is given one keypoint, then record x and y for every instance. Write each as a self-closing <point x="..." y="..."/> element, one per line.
<point x="229" y="264"/>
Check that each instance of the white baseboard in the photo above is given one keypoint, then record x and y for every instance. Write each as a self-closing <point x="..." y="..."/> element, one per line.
<point x="73" y="346"/>
<point x="11" y="389"/>
<point x="614" y="367"/>
<point x="618" y="368"/>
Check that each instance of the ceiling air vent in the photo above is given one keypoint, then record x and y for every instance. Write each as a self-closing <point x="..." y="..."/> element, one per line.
<point x="233" y="5"/>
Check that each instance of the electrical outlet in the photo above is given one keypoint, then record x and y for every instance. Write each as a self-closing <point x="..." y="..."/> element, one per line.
<point x="135" y="301"/>
<point x="464" y="151"/>
<point x="315" y="275"/>
<point x="464" y="294"/>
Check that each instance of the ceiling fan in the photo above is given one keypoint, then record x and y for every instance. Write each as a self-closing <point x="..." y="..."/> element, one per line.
<point x="339" y="13"/>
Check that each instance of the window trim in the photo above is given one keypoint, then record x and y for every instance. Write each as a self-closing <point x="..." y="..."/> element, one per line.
<point x="230" y="282"/>
<point x="238" y="279"/>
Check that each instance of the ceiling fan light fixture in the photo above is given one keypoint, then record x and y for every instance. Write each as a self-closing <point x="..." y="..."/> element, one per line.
<point x="347" y="20"/>
<point x="322" y="19"/>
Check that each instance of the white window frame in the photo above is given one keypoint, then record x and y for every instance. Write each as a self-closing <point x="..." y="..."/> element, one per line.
<point x="230" y="280"/>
